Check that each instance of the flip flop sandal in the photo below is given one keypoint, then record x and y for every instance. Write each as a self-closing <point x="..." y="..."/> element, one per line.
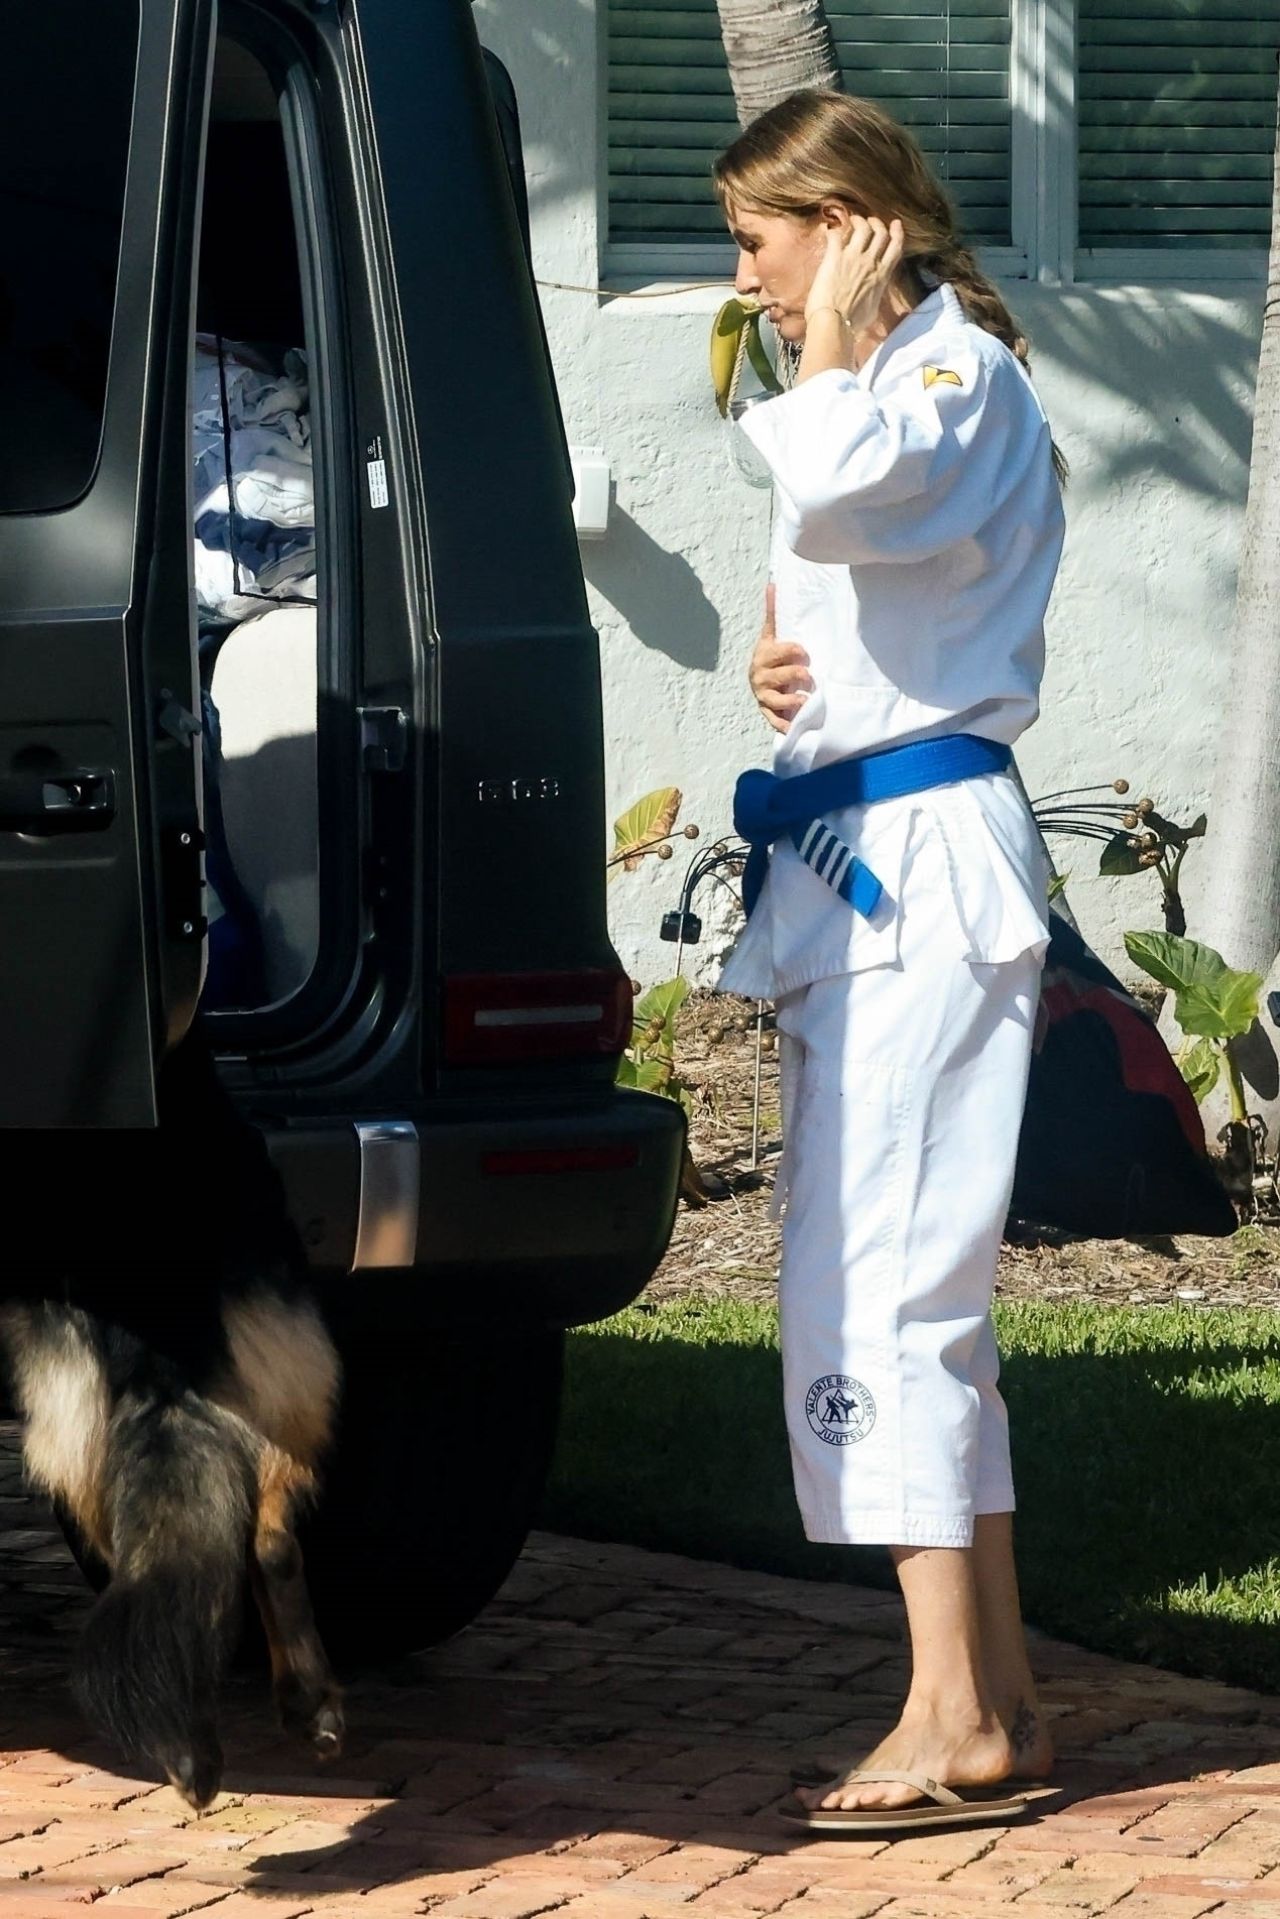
<point x="941" y="1806"/>
<point x="822" y="1772"/>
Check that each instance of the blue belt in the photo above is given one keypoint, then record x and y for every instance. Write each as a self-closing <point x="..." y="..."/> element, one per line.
<point x="765" y="807"/>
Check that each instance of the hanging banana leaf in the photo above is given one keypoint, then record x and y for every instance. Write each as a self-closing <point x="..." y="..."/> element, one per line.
<point x="735" y="336"/>
<point x="759" y="358"/>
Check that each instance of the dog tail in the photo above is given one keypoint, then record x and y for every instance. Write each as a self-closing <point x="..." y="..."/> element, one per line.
<point x="179" y="1474"/>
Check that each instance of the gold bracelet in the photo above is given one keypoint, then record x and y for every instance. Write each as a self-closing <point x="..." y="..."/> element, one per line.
<point x="827" y="309"/>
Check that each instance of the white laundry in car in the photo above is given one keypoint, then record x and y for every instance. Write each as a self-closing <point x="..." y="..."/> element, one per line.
<point x="253" y="488"/>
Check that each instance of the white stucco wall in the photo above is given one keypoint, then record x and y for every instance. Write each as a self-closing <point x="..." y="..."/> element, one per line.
<point x="1150" y="394"/>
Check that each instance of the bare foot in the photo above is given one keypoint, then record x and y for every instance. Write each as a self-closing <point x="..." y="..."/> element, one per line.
<point x="951" y="1752"/>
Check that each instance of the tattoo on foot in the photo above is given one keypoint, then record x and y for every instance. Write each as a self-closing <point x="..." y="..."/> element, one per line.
<point x="1024" y="1728"/>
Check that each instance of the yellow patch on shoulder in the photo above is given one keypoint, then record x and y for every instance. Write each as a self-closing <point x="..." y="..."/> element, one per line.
<point x="933" y="375"/>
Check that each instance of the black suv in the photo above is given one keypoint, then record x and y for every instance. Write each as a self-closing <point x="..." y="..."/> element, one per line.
<point x="285" y="513"/>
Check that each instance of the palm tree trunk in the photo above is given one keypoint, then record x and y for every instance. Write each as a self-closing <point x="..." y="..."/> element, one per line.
<point x="1241" y="913"/>
<point x="1242" y="916"/>
<point x="775" y="47"/>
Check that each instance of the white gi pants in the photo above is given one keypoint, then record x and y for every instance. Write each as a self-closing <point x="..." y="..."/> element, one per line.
<point x="903" y="1088"/>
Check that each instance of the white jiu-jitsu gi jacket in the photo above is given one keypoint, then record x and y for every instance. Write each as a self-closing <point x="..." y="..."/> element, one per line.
<point x="917" y="533"/>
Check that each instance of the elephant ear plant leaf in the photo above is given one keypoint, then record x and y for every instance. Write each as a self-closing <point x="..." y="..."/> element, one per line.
<point x="1200" y="1064"/>
<point x="644" y="828"/>
<point x="649" y="1061"/>
<point x="653" y="1040"/>
<point x="1213" y="1004"/>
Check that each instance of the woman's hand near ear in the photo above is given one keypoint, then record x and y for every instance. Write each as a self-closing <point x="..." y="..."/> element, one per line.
<point x="848" y="291"/>
<point x="856" y="271"/>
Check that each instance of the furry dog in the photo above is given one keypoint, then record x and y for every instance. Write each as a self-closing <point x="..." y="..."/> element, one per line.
<point x="178" y="1388"/>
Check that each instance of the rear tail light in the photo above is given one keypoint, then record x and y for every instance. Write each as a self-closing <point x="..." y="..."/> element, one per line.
<point x="497" y="1018"/>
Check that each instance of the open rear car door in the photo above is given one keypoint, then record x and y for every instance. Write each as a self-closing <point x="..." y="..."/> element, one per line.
<point x="100" y="847"/>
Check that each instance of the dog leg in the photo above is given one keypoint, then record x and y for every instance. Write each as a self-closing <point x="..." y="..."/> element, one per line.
<point x="307" y="1696"/>
<point x="57" y="1362"/>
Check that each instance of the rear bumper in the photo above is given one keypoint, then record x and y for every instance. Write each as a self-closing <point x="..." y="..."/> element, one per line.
<point x="555" y="1214"/>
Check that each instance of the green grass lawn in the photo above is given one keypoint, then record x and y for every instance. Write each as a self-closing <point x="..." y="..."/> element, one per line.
<point x="1146" y="1451"/>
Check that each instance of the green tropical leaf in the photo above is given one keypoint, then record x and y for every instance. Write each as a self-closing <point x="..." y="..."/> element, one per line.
<point x="1214" y="1001"/>
<point x="650" y="1075"/>
<point x="1119" y="858"/>
<point x="1058" y="884"/>
<point x="1239" y="1008"/>
<point x="645" y="824"/>
<point x="1200" y="1064"/>
<point x="661" y="1002"/>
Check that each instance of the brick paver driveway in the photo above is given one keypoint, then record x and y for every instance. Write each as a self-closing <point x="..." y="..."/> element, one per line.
<point x="608" y="1743"/>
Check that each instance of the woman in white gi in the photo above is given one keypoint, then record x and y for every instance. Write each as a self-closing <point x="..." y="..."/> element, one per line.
<point x="918" y="530"/>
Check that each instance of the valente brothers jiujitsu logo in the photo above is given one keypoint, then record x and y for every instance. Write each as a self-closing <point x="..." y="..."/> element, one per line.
<point x="840" y="1410"/>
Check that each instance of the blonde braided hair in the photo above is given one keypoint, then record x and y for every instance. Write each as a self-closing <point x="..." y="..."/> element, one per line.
<point x="818" y="146"/>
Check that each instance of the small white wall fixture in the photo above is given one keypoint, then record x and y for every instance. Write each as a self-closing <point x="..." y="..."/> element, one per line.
<point x="592" y="479"/>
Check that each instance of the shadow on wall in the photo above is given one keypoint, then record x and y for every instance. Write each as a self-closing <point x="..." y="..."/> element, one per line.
<point x="545" y="66"/>
<point x="1185" y="369"/>
<point x="657" y="593"/>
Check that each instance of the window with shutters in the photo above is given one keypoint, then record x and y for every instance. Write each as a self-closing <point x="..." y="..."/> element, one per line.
<point x="1094" y="136"/>
<point x="1176" y="114"/>
<point x="941" y="66"/>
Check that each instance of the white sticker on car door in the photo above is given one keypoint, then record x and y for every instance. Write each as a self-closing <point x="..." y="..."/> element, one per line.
<point x="377" y="467"/>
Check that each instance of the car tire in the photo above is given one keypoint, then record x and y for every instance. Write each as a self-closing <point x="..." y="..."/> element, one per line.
<point x="433" y="1482"/>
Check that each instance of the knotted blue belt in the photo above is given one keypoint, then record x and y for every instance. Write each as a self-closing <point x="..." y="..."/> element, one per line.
<point x="765" y="807"/>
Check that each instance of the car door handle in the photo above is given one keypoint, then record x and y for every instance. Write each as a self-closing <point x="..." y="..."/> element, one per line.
<point x="83" y="801"/>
